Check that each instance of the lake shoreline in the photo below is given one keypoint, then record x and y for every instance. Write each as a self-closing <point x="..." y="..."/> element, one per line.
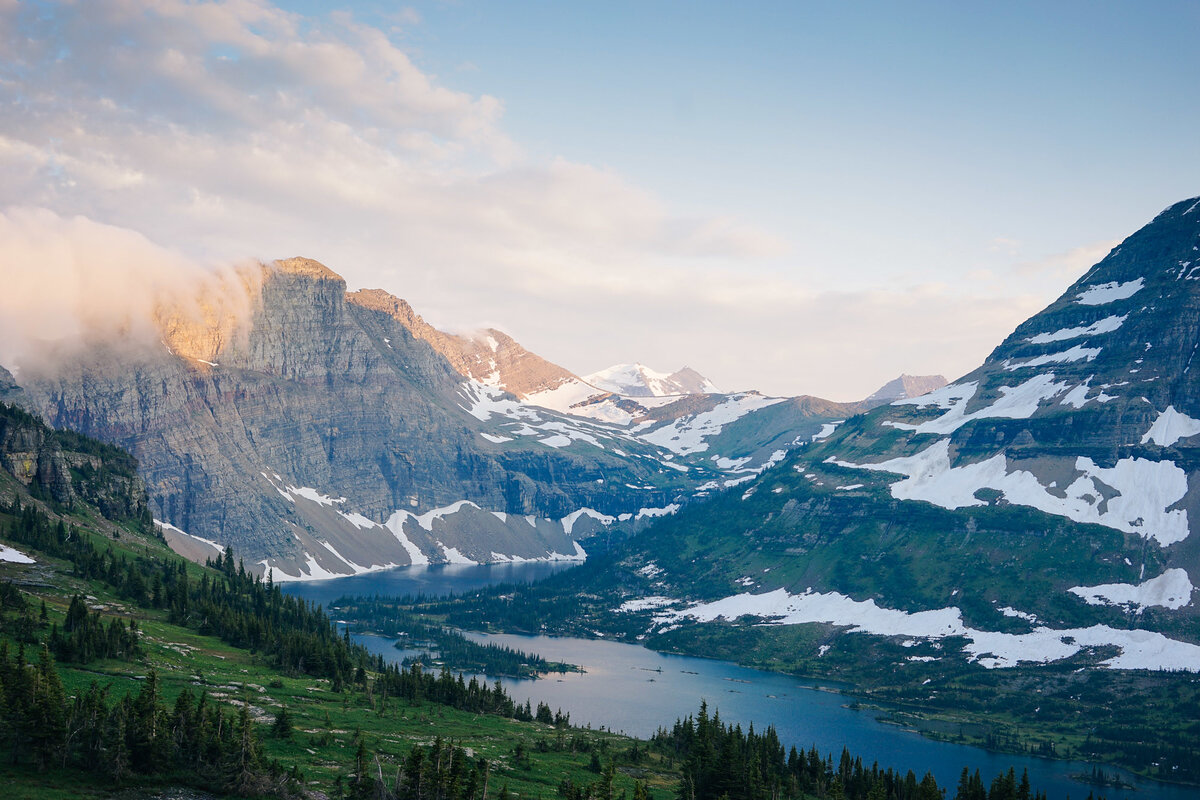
<point x="789" y="705"/>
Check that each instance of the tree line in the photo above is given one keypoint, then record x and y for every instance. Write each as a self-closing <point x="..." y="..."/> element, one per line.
<point x="195" y="741"/>
<point x="387" y="617"/>
<point x="721" y="761"/>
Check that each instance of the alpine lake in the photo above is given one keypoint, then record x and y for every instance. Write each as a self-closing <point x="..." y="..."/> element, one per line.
<point x="630" y="689"/>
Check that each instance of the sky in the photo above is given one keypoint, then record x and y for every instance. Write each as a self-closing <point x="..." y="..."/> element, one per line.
<point x="799" y="198"/>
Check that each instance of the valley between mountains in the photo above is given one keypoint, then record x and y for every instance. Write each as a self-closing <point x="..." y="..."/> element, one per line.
<point x="1010" y="559"/>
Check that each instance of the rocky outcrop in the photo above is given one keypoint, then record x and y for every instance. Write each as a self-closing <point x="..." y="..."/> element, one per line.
<point x="70" y="469"/>
<point x="321" y="433"/>
<point x="314" y="396"/>
<point x="489" y="356"/>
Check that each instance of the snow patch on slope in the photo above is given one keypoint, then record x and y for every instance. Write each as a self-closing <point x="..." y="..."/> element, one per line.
<point x="1076" y="353"/>
<point x="14" y="556"/>
<point x="1146" y="490"/>
<point x="689" y="433"/>
<point x="1139" y="649"/>
<point x="1015" y="402"/>
<point x="568" y="522"/>
<point x="395" y="524"/>
<point x="1170" y="427"/>
<point x="1172" y="590"/>
<point x="1106" y="325"/>
<point x="1109" y="292"/>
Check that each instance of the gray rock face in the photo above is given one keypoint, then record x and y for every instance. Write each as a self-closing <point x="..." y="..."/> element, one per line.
<point x="489" y="356"/>
<point x="324" y="435"/>
<point x="10" y="392"/>
<point x="325" y="394"/>
<point x="70" y="469"/>
<point x="321" y="433"/>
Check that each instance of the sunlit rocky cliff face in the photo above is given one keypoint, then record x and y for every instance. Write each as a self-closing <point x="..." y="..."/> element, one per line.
<point x="321" y="433"/>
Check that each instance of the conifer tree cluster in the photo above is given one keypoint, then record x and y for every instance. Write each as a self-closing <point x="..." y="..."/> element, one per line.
<point x="85" y="637"/>
<point x="440" y="771"/>
<point x="196" y="741"/>
<point x="236" y="606"/>
<point x="722" y="761"/>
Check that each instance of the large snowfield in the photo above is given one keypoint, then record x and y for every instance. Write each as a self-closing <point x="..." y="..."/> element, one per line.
<point x="1139" y="649"/>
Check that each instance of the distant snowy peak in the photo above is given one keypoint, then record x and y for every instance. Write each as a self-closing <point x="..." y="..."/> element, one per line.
<point x="905" y="387"/>
<point x="638" y="380"/>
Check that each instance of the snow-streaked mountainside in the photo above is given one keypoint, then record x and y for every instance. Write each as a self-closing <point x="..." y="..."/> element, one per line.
<point x="905" y="387"/>
<point x="638" y="380"/>
<point x="1044" y="507"/>
<point x="330" y="434"/>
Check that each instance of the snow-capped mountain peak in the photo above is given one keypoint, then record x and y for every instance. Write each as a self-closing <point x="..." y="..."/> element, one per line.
<point x="638" y="380"/>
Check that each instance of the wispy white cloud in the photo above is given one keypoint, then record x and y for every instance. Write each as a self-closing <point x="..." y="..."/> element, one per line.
<point x="235" y="129"/>
<point x="1066" y="267"/>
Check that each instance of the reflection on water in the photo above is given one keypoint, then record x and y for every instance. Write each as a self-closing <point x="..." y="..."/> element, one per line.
<point x="434" y="581"/>
<point x="629" y="688"/>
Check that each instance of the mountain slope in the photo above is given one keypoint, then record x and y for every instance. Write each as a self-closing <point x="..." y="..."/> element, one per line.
<point x="904" y="387"/>
<point x="1040" y="509"/>
<point x="318" y="400"/>
<point x="638" y="380"/>
<point x="491" y="356"/>
<point x="325" y="434"/>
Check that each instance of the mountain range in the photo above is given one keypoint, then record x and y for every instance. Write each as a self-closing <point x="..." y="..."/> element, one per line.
<point x="1041" y="509"/>
<point x="322" y="432"/>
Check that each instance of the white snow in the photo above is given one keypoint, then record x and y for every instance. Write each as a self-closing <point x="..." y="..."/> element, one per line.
<point x="638" y="380"/>
<point x="1076" y="353"/>
<point x="14" y="556"/>
<point x="359" y="521"/>
<point x="426" y="520"/>
<point x="1009" y="611"/>
<point x="1146" y="490"/>
<point x="309" y="493"/>
<point x="214" y="545"/>
<point x="568" y="522"/>
<point x="557" y="440"/>
<point x="395" y="524"/>
<point x="944" y="398"/>
<point x="849" y="487"/>
<point x="827" y="428"/>
<point x="569" y="398"/>
<point x="311" y="571"/>
<point x="1106" y="325"/>
<point x="1170" y="427"/>
<point x="453" y="556"/>
<point x="731" y="464"/>
<point x="1139" y="649"/>
<point x="650" y="570"/>
<point x="1172" y="590"/>
<point x="1109" y="292"/>
<point x="665" y="511"/>
<point x="1078" y="397"/>
<point x="496" y="439"/>
<point x="644" y="603"/>
<point x="1015" y="402"/>
<point x="689" y="433"/>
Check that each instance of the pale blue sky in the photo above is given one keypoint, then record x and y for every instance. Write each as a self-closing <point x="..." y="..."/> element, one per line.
<point x="1055" y="124"/>
<point x="798" y="197"/>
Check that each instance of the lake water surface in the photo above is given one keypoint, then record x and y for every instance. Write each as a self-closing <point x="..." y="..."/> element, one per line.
<point x="632" y="689"/>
